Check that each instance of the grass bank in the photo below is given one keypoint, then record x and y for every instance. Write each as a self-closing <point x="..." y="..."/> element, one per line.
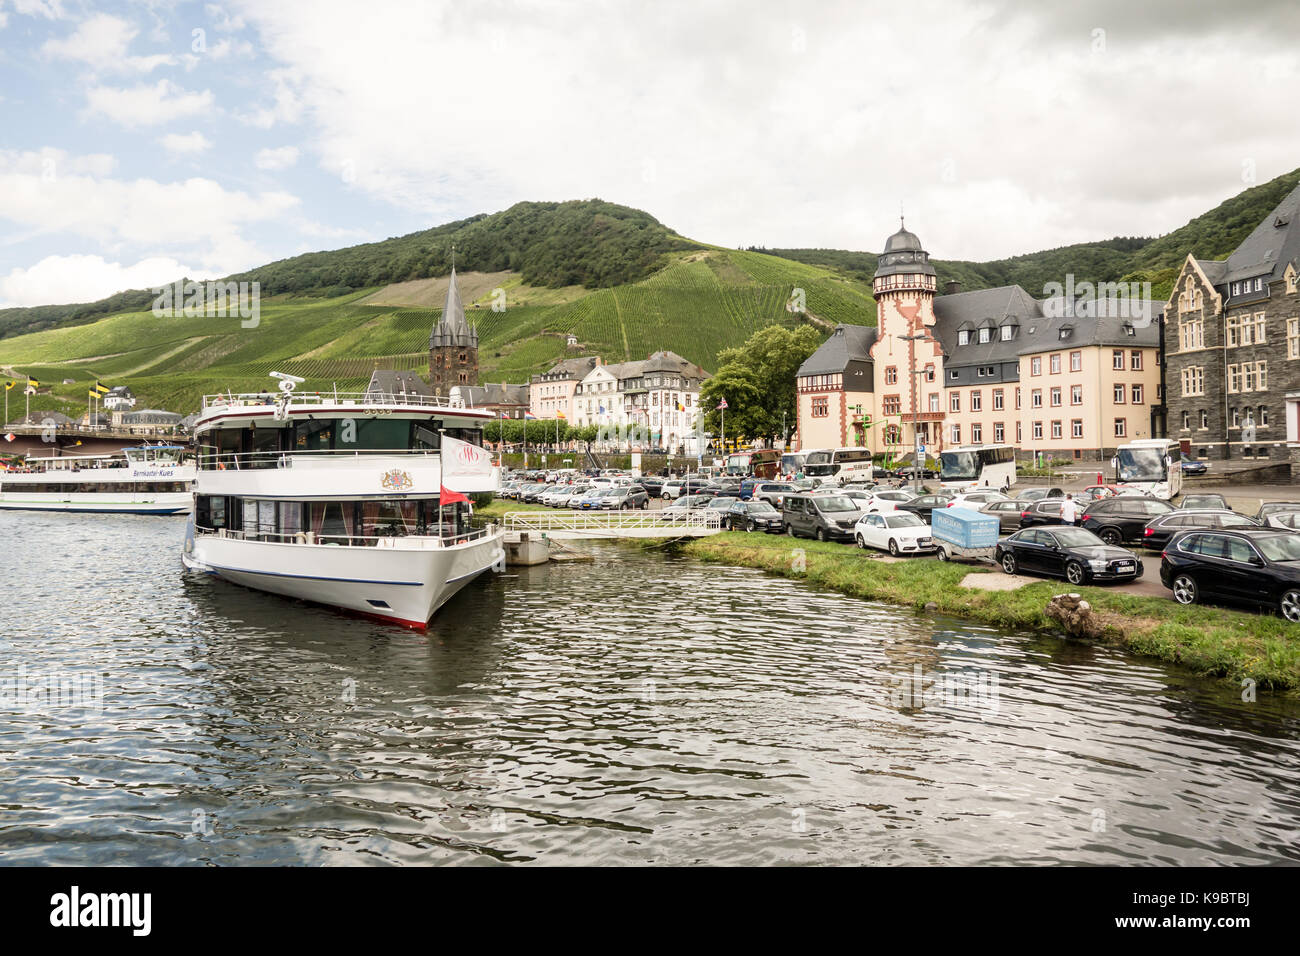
<point x="1211" y="641"/>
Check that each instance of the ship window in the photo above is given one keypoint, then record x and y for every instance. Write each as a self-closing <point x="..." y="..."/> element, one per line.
<point x="372" y="434"/>
<point x="314" y="436"/>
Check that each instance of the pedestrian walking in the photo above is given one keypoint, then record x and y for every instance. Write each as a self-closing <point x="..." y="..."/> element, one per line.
<point x="1070" y="510"/>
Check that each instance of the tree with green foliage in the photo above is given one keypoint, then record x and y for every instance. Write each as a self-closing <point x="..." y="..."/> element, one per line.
<point x="758" y="381"/>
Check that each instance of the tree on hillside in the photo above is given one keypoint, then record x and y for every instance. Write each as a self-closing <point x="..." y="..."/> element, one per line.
<point x="757" y="380"/>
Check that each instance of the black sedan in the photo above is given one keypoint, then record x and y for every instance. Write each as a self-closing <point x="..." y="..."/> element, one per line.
<point x="1267" y="508"/>
<point x="1258" y="566"/>
<point x="754" y="516"/>
<point x="922" y="505"/>
<point x="1116" y="520"/>
<point x="1159" y="530"/>
<point x="1074" y="554"/>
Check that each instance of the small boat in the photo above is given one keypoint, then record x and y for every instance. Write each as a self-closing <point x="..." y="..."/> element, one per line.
<point x="358" y="501"/>
<point x="148" y="479"/>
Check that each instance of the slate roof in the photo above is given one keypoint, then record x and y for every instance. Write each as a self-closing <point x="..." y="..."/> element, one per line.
<point x="571" y="369"/>
<point x="480" y="396"/>
<point x="1271" y="245"/>
<point x="452" y="329"/>
<point x="848" y="343"/>
<point x="391" y="382"/>
<point x="979" y="307"/>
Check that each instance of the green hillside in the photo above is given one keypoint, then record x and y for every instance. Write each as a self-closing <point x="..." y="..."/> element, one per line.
<point x="699" y="301"/>
<point x="615" y="278"/>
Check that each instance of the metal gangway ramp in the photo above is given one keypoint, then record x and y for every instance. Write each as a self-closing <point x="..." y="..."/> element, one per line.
<point x="568" y="525"/>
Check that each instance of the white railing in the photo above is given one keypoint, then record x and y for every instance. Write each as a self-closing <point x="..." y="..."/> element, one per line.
<point x="332" y="397"/>
<point x="211" y="458"/>
<point x="611" y="523"/>
<point x="401" y="541"/>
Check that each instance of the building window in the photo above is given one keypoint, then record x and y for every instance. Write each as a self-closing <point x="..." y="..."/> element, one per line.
<point x="997" y="400"/>
<point x="891" y="375"/>
<point x="1076" y="394"/>
<point x="1038" y="431"/>
<point x="1019" y="433"/>
<point x="976" y="403"/>
<point x="1120" y="429"/>
<point x="1263" y="417"/>
<point x="1293" y="338"/>
<point x="963" y="337"/>
<point x="1076" y="361"/>
<point x="1205" y="419"/>
<point x="929" y="373"/>
<point x="977" y="433"/>
<point x="820" y="406"/>
<point x="1056" y="429"/>
<point x="1076" y="428"/>
<point x="1259" y="328"/>
<point x="956" y="434"/>
<point x="1193" y="380"/>
<point x="1017" y="398"/>
<point x="1036" y="365"/>
<point x="1135" y="395"/>
<point x="1036" y="398"/>
<point x="984" y="335"/>
<point x="1056" y="398"/>
<point x="1119" y="395"/>
<point x="1187" y="421"/>
<point x="1191" y="334"/>
<point x="1135" y="360"/>
<point x="892" y="405"/>
<point x="1117" y="360"/>
<point x="1054" y="363"/>
<point x="1006" y="333"/>
<point x="934" y="401"/>
<point x="999" y="431"/>
<point x="1232" y="330"/>
<point x="1236" y="418"/>
<point x="954" y="402"/>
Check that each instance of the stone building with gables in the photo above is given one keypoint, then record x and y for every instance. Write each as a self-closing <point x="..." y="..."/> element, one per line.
<point x="1232" y="347"/>
<point x="453" y="346"/>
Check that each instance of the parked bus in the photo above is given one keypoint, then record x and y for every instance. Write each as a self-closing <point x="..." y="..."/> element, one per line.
<point x="840" y="465"/>
<point x="1152" y="465"/>
<point x="977" y="466"/>
<point x="759" y="462"/>
<point x="792" y="463"/>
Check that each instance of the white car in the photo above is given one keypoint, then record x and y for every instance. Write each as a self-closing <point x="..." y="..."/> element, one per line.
<point x="672" y="488"/>
<point x="553" y="499"/>
<point x="885" y="502"/>
<point x="898" y="533"/>
<point x="575" y="492"/>
<point x="975" y="500"/>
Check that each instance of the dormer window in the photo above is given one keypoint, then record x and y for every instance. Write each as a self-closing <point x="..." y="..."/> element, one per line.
<point x="1128" y="329"/>
<point x="1066" y="331"/>
<point x="984" y="335"/>
<point x="1008" y="330"/>
<point x="963" y="337"/>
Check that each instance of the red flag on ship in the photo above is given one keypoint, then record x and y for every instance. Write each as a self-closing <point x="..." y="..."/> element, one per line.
<point x="447" y="497"/>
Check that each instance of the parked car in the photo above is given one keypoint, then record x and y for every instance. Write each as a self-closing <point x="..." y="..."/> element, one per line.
<point x="1204" y="503"/>
<point x="576" y="494"/>
<point x="532" y="494"/>
<point x="888" y="500"/>
<point x="1095" y="493"/>
<point x="553" y="497"/>
<point x="974" y="500"/>
<point x="1259" y="566"/>
<point x="653" y="486"/>
<point x="922" y="505"/>
<point x="1283" y="519"/>
<point x="1123" y="518"/>
<point x="684" y="505"/>
<point x="856" y="494"/>
<point x="1191" y="466"/>
<point x="1267" y="508"/>
<point x="591" y="501"/>
<point x="1031" y="494"/>
<point x="1160" y="529"/>
<point x="1044" y="511"/>
<point x="899" y="533"/>
<point x="721" y="503"/>
<point x="1007" y="511"/>
<point x="754" y="515"/>
<point x="773" y="492"/>
<point x="624" y="498"/>
<point x="1072" y="553"/>
<point x="824" y="517"/>
<point x="672" y="488"/>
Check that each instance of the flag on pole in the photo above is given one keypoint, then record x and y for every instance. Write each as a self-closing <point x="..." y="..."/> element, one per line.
<point x="448" y="497"/>
<point x="92" y="394"/>
<point x="101" y="389"/>
<point x="461" y="460"/>
<point x="529" y="416"/>
<point x="561" y="415"/>
<point x="32" y="383"/>
<point x="9" y="385"/>
<point x="722" y="404"/>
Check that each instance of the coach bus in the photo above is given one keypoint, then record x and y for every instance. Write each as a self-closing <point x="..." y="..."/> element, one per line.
<point x="977" y="466"/>
<point x="759" y="462"/>
<point x="840" y="465"/>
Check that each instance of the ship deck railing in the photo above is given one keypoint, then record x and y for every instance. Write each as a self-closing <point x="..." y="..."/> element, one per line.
<point x="400" y="539"/>
<point x="333" y="397"/>
<point x="211" y="458"/>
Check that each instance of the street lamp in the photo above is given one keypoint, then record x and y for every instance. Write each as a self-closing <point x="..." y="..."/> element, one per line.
<point x="911" y="341"/>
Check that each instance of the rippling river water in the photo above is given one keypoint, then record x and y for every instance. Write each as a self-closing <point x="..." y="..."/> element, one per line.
<point x="637" y="709"/>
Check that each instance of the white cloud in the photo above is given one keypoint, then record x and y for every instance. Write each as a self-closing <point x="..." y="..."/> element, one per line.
<point x="763" y="123"/>
<point x="85" y="278"/>
<point x="196" y="218"/>
<point x="49" y="9"/>
<point x="146" y="105"/>
<point x="186" y="144"/>
<point x="102" y="41"/>
<point x="280" y="158"/>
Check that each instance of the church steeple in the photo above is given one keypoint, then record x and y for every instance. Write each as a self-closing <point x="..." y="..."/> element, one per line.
<point x="453" y="344"/>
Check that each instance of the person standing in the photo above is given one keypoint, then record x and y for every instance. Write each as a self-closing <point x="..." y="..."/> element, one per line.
<point x="1070" y="510"/>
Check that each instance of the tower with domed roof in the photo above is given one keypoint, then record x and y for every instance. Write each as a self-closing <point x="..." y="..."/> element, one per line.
<point x="904" y="287"/>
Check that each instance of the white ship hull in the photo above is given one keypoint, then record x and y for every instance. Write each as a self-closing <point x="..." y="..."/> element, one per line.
<point x="162" y="503"/>
<point x="405" y="582"/>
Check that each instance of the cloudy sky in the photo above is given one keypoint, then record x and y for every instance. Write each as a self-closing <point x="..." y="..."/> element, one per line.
<point x="140" y="141"/>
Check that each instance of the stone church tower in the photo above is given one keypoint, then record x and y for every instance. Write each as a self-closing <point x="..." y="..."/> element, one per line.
<point x="453" y="346"/>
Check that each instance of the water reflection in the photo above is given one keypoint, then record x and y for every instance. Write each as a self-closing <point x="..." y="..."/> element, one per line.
<point x="639" y="708"/>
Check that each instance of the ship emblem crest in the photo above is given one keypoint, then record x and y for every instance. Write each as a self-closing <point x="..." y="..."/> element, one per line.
<point x="396" y="480"/>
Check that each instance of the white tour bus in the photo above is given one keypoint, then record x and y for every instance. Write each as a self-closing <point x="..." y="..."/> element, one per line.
<point x="1152" y="465"/>
<point x="840" y="465"/>
<point x="977" y="466"/>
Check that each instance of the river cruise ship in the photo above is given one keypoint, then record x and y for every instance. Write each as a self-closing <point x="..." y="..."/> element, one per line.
<point x="352" y="500"/>
<point x="149" y="479"/>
